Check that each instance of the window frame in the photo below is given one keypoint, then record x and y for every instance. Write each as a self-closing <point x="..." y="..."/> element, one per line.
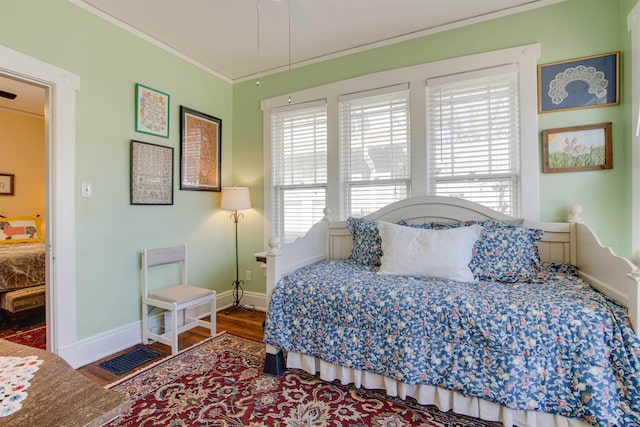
<point x="477" y="79"/>
<point x="278" y="190"/>
<point x="345" y="102"/>
<point x="524" y="57"/>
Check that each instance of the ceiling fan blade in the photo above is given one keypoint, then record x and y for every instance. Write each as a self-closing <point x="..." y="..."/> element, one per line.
<point x="7" y="95"/>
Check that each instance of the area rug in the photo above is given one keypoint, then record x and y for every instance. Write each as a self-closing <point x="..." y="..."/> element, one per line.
<point x="34" y="336"/>
<point x="220" y="383"/>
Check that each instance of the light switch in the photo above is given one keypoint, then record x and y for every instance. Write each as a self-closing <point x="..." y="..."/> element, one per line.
<point x="87" y="189"/>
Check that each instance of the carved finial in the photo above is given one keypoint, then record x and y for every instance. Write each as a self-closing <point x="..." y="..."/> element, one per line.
<point x="327" y="214"/>
<point x="575" y="214"/>
<point x="274" y="245"/>
<point x="635" y="258"/>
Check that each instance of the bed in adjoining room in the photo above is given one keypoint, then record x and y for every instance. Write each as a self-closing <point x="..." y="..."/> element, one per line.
<point x="22" y="264"/>
<point x="453" y="304"/>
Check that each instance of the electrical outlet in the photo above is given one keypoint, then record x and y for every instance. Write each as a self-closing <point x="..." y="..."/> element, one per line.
<point x="247" y="275"/>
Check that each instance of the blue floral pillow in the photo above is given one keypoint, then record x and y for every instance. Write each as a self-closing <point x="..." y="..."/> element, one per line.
<point x="507" y="254"/>
<point x="367" y="244"/>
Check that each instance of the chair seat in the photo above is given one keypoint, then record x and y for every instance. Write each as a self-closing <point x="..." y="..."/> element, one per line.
<point x="180" y="294"/>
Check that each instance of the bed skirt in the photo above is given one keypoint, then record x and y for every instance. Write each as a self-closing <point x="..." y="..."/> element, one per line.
<point x="443" y="399"/>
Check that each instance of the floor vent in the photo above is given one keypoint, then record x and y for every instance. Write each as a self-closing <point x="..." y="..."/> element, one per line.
<point x="129" y="360"/>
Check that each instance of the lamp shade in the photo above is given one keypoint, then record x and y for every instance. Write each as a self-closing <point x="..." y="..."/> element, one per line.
<point x="235" y="198"/>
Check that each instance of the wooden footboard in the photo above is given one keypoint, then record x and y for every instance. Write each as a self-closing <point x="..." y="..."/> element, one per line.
<point x="609" y="273"/>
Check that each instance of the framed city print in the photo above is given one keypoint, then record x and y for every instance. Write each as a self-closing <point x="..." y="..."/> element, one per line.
<point x="200" y="154"/>
<point x="592" y="81"/>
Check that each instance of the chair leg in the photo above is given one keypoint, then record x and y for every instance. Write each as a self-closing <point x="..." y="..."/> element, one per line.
<point x="145" y="324"/>
<point x="174" y="332"/>
<point x="212" y="318"/>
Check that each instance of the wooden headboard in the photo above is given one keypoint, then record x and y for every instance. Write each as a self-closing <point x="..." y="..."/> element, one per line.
<point x="569" y="243"/>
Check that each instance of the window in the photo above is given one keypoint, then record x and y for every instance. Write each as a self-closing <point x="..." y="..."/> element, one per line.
<point x="374" y="136"/>
<point x="473" y="129"/>
<point x="299" y="172"/>
<point x="457" y="127"/>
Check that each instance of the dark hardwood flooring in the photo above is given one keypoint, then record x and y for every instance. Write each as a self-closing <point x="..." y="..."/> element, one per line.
<point x="243" y="323"/>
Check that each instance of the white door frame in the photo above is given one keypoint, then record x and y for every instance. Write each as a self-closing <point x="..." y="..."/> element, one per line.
<point x="60" y="122"/>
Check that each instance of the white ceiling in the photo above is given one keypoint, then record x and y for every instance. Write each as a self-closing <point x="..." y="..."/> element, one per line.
<point x="221" y="36"/>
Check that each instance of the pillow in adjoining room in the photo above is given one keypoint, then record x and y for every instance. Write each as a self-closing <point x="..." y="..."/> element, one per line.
<point x="367" y="248"/>
<point x="507" y="254"/>
<point x="20" y="230"/>
<point x="446" y="254"/>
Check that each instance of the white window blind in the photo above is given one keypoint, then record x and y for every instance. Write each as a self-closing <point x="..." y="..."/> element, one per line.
<point x="375" y="141"/>
<point x="473" y="121"/>
<point x="299" y="169"/>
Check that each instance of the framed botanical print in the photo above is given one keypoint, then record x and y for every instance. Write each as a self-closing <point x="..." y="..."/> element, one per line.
<point x="577" y="148"/>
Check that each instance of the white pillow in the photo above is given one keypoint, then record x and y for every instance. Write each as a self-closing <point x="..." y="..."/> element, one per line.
<point x="409" y="251"/>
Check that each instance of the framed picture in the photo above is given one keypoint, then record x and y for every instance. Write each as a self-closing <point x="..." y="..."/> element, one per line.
<point x="151" y="174"/>
<point x="577" y="148"/>
<point x="152" y="111"/>
<point x="6" y="184"/>
<point x="201" y="138"/>
<point x="592" y="81"/>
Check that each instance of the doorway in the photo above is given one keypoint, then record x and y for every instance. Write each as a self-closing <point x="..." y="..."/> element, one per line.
<point x="23" y="165"/>
<point x="60" y="123"/>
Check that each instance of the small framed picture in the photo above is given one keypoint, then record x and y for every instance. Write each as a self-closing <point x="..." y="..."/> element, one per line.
<point x="577" y="148"/>
<point x="152" y="111"/>
<point x="151" y="174"/>
<point x="200" y="154"/>
<point x="6" y="184"/>
<point x="592" y="81"/>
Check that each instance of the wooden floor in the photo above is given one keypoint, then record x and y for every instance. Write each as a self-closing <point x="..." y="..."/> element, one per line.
<point x="243" y="323"/>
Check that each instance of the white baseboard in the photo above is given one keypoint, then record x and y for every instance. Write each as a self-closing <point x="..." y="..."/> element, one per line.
<point x="102" y="345"/>
<point x="94" y="348"/>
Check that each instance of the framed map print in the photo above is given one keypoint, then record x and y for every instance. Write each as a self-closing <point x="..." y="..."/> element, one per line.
<point x="200" y="141"/>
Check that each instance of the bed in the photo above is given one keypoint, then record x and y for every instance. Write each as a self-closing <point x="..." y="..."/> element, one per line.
<point x="529" y="343"/>
<point x="22" y="263"/>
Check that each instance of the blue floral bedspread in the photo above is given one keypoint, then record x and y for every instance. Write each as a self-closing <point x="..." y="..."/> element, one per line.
<point x="553" y="345"/>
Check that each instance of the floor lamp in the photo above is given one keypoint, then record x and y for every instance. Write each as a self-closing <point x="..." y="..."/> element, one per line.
<point x="236" y="199"/>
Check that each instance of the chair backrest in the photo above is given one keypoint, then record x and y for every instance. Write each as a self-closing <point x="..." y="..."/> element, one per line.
<point x="161" y="256"/>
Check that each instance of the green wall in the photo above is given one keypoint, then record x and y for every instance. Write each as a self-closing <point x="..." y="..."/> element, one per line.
<point x="567" y="30"/>
<point x="110" y="61"/>
<point x="110" y="231"/>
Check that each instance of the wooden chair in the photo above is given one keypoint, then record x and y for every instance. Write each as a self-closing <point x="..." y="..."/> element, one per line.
<point x="174" y="299"/>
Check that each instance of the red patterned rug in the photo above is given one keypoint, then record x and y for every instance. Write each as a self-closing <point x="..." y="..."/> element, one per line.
<point x="33" y="336"/>
<point x="220" y="383"/>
